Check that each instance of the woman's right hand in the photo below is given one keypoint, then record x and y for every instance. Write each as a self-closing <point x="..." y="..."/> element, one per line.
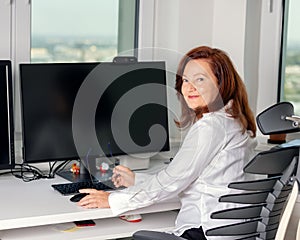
<point x="123" y="176"/>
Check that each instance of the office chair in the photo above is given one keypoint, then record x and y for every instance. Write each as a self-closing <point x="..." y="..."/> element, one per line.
<point x="265" y="204"/>
<point x="265" y="199"/>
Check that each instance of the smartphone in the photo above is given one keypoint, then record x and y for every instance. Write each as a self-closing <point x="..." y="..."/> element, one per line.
<point x="85" y="223"/>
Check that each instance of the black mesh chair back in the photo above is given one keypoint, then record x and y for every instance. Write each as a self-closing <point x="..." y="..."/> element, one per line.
<point x="264" y="199"/>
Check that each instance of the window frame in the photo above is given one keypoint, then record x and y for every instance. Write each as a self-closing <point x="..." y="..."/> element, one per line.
<point x="283" y="55"/>
<point x="271" y="49"/>
<point x="282" y="58"/>
<point x="269" y="53"/>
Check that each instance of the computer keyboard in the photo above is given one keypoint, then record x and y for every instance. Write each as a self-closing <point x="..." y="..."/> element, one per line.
<point x="73" y="188"/>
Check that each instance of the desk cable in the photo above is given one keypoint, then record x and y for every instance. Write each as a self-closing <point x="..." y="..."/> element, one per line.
<point x="28" y="173"/>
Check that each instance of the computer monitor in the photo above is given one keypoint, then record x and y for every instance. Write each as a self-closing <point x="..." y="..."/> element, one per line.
<point x="117" y="97"/>
<point x="7" y="156"/>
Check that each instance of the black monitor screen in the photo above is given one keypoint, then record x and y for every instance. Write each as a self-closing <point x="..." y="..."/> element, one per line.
<point x="6" y="116"/>
<point x="65" y="104"/>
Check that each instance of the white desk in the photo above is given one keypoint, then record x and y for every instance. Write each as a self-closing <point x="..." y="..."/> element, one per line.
<point x="28" y="210"/>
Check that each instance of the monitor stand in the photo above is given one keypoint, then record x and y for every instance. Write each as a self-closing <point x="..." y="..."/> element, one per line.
<point x="136" y="161"/>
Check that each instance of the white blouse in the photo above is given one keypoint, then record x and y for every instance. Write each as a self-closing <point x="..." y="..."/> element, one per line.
<point x="212" y="155"/>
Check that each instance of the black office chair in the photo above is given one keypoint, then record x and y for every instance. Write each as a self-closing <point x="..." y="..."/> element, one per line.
<point x="267" y="197"/>
<point x="278" y="118"/>
<point x="264" y="199"/>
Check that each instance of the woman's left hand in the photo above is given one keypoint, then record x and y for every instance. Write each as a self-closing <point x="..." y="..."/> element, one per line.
<point x="94" y="199"/>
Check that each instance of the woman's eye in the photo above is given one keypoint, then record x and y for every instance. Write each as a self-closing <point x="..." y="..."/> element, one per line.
<point x="200" y="79"/>
<point x="185" y="80"/>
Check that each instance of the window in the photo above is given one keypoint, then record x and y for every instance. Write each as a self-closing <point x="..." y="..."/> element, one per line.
<point x="65" y="30"/>
<point x="290" y="71"/>
<point x="81" y="30"/>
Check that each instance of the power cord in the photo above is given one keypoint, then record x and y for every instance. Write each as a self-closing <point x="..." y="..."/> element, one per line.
<point x="28" y="173"/>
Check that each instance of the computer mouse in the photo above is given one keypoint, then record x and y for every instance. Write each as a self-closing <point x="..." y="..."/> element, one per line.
<point x="132" y="217"/>
<point x="77" y="197"/>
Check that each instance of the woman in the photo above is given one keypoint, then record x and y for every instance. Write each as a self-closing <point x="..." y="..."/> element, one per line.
<point x="220" y="141"/>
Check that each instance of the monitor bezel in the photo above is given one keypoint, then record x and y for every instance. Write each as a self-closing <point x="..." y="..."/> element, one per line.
<point x="10" y="117"/>
<point x="74" y="157"/>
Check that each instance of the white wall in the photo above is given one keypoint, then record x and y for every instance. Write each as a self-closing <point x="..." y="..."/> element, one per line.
<point x="180" y="25"/>
<point x="229" y="30"/>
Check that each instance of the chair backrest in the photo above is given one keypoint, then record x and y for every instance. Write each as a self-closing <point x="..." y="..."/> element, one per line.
<point x="264" y="199"/>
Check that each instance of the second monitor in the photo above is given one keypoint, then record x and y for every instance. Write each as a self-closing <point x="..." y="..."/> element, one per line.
<point x="7" y="154"/>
